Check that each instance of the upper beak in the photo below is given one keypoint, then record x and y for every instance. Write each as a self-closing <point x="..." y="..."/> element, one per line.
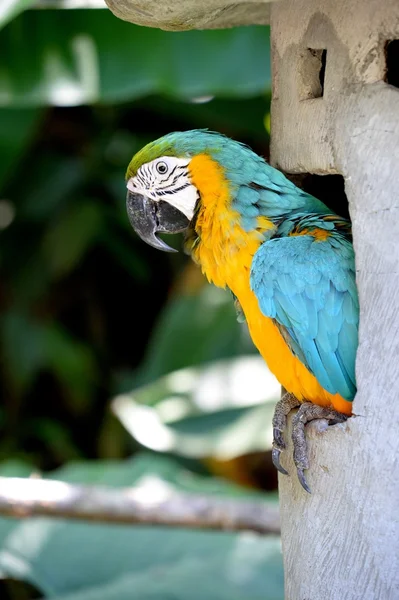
<point x="148" y="217"/>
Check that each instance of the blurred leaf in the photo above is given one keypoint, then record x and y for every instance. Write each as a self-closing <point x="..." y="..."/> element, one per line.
<point x="17" y="127"/>
<point x="71" y="235"/>
<point x="122" y="251"/>
<point x="150" y="471"/>
<point x="9" y="9"/>
<point x="23" y="348"/>
<point x="110" y="562"/>
<point x="53" y="179"/>
<point x="15" y="468"/>
<point x="84" y="56"/>
<point x="73" y="363"/>
<point x="30" y="346"/>
<point x="221" y="114"/>
<point x="147" y="470"/>
<point x="56" y="437"/>
<point x="221" y="410"/>
<point x="193" y="329"/>
<point x="67" y="560"/>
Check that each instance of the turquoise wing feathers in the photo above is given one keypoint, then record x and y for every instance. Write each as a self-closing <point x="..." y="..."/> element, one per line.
<point x="308" y="287"/>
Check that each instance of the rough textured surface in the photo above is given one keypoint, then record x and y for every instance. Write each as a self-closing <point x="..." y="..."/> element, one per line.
<point x="342" y="542"/>
<point x="179" y="15"/>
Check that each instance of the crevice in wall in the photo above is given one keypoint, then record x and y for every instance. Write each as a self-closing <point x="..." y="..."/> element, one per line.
<point x="392" y="62"/>
<point x="312" y="73"/>
<point x="322" y="72"/>
<point x="330" y="189"/>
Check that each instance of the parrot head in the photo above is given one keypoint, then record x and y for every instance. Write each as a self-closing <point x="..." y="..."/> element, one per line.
<point x="164" y="180"/>
<point x="203" y="182"/>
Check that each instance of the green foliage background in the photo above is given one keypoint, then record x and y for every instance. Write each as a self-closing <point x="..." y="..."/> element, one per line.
<point x="89" y="313"/>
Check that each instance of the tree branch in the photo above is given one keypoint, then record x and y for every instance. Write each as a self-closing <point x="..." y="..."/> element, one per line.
<point x="23" y="498"/>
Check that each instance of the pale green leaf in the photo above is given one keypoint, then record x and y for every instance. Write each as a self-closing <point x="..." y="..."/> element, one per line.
<point x="86" y="56"/>
<point x="9" y="9"/>
<point x="223" y="410"/>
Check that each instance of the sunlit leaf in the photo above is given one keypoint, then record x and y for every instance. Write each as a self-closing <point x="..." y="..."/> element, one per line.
<point x="148" y="470"/>
<point x="84" y="56"/>
<point x="221" y="410"/>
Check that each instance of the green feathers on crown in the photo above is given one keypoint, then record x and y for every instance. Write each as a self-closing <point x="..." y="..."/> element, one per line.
<point x="183" y="144"/>
<point x="153" y="150"/>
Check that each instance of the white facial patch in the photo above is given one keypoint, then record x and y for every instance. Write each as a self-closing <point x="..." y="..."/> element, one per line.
<point x="167" y="178"/>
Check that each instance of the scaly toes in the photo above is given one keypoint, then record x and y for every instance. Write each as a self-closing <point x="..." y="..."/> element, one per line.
<point x="278" y="447"/>
<point x="283" y="407"/>
<point x="308" y="412"/>
<point x="299" y="440"/>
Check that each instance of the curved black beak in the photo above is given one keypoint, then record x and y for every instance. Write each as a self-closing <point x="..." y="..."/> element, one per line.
<point x="148" y="218"/>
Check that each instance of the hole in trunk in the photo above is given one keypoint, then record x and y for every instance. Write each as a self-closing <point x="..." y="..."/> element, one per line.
<point x="330" y="189"/>
<point x="392" y="62"/>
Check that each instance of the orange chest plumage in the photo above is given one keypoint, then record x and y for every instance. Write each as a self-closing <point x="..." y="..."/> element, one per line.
<point x="225" y="252"/>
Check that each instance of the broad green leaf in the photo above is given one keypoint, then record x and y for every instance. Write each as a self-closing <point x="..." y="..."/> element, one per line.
<point x="74" y="561"/>
<point x="16" y="468"/>
<point x="87" y="56"/>
<point x="147" y="470"/>
<point x="71" y="236"/>
<point x="223" y="410"/>
<point x="193" y="329"/>
<point x="9" y="9"/>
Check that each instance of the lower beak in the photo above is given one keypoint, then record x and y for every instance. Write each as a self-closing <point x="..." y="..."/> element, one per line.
<point x="148" y="217"/>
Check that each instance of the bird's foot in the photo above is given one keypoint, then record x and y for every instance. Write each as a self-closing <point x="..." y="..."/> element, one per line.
<point x="307" y="412"/>
<point x="281" y="411"/>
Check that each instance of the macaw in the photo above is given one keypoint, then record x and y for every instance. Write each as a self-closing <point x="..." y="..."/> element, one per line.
<point x="285" y="256"/>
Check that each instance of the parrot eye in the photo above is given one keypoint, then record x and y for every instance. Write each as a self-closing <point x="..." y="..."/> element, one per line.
<point x="162" y="167"/>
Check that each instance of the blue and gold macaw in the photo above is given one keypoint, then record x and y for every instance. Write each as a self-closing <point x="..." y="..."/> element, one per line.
<point x="286" y="257"/>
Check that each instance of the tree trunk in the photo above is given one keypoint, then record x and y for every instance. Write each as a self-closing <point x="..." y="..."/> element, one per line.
<point x="342" y="541"/>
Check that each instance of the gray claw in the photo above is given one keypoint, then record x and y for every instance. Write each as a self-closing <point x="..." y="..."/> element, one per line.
<point x="302" y="480"/>
<point x="276" y="461"/>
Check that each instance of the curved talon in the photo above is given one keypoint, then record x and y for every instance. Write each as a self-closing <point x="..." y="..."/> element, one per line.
<point x="276" y="461"/>
<point x="302" y="480"/>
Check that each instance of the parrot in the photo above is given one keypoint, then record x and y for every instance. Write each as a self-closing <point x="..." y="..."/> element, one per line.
<point x="286" y="257"/>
